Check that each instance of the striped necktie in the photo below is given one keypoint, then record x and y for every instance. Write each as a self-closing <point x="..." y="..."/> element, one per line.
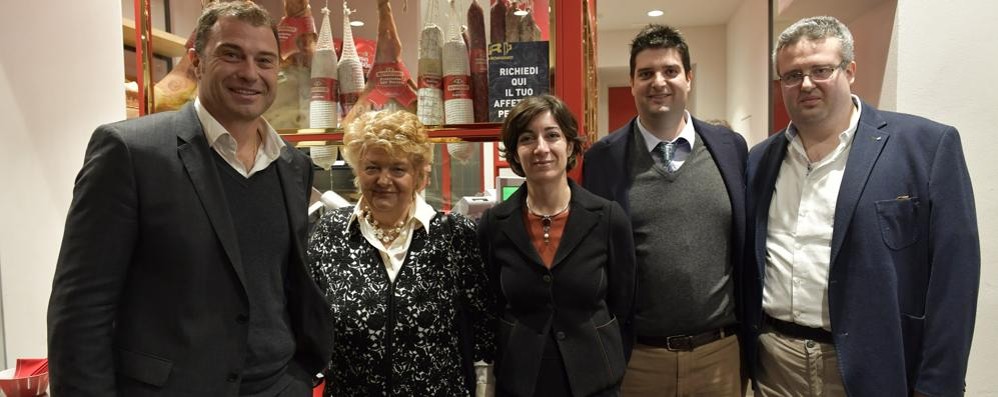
<point x="666" y="152"/>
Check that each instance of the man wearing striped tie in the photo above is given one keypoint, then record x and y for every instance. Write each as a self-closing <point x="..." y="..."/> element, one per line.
<point x="681" y="181"/>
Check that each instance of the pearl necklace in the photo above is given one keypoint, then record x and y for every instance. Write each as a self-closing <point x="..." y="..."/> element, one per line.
<point x="385" y="235"/>
<point x="546" y="220"/>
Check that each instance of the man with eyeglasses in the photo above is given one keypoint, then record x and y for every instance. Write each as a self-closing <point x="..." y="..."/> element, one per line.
<point x="682" y="183"/>
<point x="864" y="259"/>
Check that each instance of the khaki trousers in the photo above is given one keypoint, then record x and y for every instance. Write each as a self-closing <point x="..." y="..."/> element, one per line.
<point x="711" y="370"/>
<point x="796" y="367"/>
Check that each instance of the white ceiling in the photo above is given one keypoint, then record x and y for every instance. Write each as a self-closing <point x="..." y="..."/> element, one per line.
<point x="632" y="14"/>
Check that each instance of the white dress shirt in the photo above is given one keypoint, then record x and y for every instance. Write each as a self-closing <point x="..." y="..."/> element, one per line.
<point x="682" y="151"/>
<point x="224" y="144"/>
<point x="798" y="241"/>
<point x="393" y="256"/>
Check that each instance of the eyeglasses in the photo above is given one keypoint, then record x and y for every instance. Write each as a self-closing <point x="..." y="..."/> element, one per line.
<point x="818" y="73"/>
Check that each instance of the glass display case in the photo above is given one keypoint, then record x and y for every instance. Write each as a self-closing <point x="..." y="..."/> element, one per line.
<point x="466" y="156"/>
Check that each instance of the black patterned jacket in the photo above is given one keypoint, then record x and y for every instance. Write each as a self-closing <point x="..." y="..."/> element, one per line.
<point x="403" y="338"/>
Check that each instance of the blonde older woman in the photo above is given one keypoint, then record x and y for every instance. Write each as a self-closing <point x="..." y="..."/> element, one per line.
<point x="406" y="283"/>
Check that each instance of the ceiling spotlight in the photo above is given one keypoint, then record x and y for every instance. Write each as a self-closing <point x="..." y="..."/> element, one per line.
<point x="655" y="13"/>
<point x="520" y="13"/>
<point x="357" y="23"/>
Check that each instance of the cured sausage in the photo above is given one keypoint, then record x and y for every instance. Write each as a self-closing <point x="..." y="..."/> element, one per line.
<point x="479" y="62"/>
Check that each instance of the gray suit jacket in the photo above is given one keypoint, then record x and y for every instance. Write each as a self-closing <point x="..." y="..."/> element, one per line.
<point x="148" y="296"/>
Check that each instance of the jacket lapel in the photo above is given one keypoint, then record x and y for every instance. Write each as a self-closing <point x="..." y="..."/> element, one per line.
<point x="720" y="145"/>
<point x="510" y="219"/>
<point x="769" y="169"/>
<point x="196" y="155"/>
<point x="581" y="219"/>
<point x="294" y="192"/>
<point x="867" y="145"/>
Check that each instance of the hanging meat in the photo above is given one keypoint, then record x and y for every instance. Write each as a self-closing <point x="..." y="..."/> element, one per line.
<point x="528" y="29"/>
<point x="497" y="21"/>
<point x="479" y="62"/>
<point x="296" y="34"/>
<point x="389" y="84"/>
<point x="430" y="105"/>
<point x="322" y="108"/>
<point x="350" y="70"/>
<point x="177" y="87"/>
<point x="512" y="29"/>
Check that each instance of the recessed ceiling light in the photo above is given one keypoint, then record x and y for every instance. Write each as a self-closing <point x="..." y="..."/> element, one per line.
<point x="520" y="13"/>
<point x="655" y="13"/>
<point x="357" y="23"/>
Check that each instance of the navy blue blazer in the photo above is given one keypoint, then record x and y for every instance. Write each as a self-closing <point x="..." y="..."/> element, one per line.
<point x="606" y="172"/>
<point x="905" y="255"/>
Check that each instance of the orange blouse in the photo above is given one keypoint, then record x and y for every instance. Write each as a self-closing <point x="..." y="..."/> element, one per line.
<point x="536" y="228"/>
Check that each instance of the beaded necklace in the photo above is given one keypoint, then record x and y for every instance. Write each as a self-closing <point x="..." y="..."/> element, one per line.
<point x="384" y="234"/>
<point x="546" y="220"/>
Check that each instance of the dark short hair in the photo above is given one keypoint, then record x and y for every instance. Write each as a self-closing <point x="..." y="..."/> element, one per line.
<point x="524" y="112"/>
<point x="246" y="11"/>
<point x="660" y="36"/>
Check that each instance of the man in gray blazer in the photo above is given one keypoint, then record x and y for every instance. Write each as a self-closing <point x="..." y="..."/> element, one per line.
<point x="181" y="270"/>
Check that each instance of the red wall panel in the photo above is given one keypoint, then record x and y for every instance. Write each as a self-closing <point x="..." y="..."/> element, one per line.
<point x="621" y="107"/>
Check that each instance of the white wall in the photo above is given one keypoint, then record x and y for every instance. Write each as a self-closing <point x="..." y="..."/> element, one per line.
<point x="57" y="82"/>
<point x="945" y="63"/>
<point x="748" y="70"/>
<point x="707" y="54"/>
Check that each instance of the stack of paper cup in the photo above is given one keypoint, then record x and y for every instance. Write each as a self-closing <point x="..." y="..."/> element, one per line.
<point x="323" y="156"/>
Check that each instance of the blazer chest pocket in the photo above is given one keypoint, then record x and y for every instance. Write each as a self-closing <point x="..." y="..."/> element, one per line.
<point x="898" y="220"/>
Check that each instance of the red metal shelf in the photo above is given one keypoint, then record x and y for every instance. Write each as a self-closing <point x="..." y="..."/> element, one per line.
<point x="478" y="132"/>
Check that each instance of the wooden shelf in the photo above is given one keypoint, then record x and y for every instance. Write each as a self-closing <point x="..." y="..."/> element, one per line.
<point x="163" y="43"/>
<point x="478" y="132"/>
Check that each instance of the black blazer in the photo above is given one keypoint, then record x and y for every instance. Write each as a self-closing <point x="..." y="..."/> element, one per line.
<point x="607" y="173"/>
<point x="582" y="299"/>
<point x="148" y="296"/>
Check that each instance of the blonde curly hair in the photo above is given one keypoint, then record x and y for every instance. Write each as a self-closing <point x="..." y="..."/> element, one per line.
<point x="397" y="132"/>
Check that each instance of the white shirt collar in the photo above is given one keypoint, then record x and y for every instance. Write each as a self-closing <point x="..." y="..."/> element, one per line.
<point x="224" y="144"/>
<point x="688" y="132"/>
<point x="422" y="213"/>
<point x="844" y="136"/>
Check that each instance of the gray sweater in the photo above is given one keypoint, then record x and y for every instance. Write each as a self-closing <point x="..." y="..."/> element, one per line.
<point x="682" y="235"/>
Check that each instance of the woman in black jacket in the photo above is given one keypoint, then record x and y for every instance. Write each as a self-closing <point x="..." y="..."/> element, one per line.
<point x="561" y="261"/>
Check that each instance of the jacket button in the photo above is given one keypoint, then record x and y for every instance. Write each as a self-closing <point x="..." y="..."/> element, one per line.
<point x="242" y="319"/>
<point x="546" y="278"/>
<point x="560" y="335"/>
<point x="232" y="377"/>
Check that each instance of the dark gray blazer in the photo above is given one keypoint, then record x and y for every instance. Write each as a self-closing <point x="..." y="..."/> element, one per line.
<point x="148" y="296"/>
<point x="584" y="299"/>
<point x="905" y="256"/>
